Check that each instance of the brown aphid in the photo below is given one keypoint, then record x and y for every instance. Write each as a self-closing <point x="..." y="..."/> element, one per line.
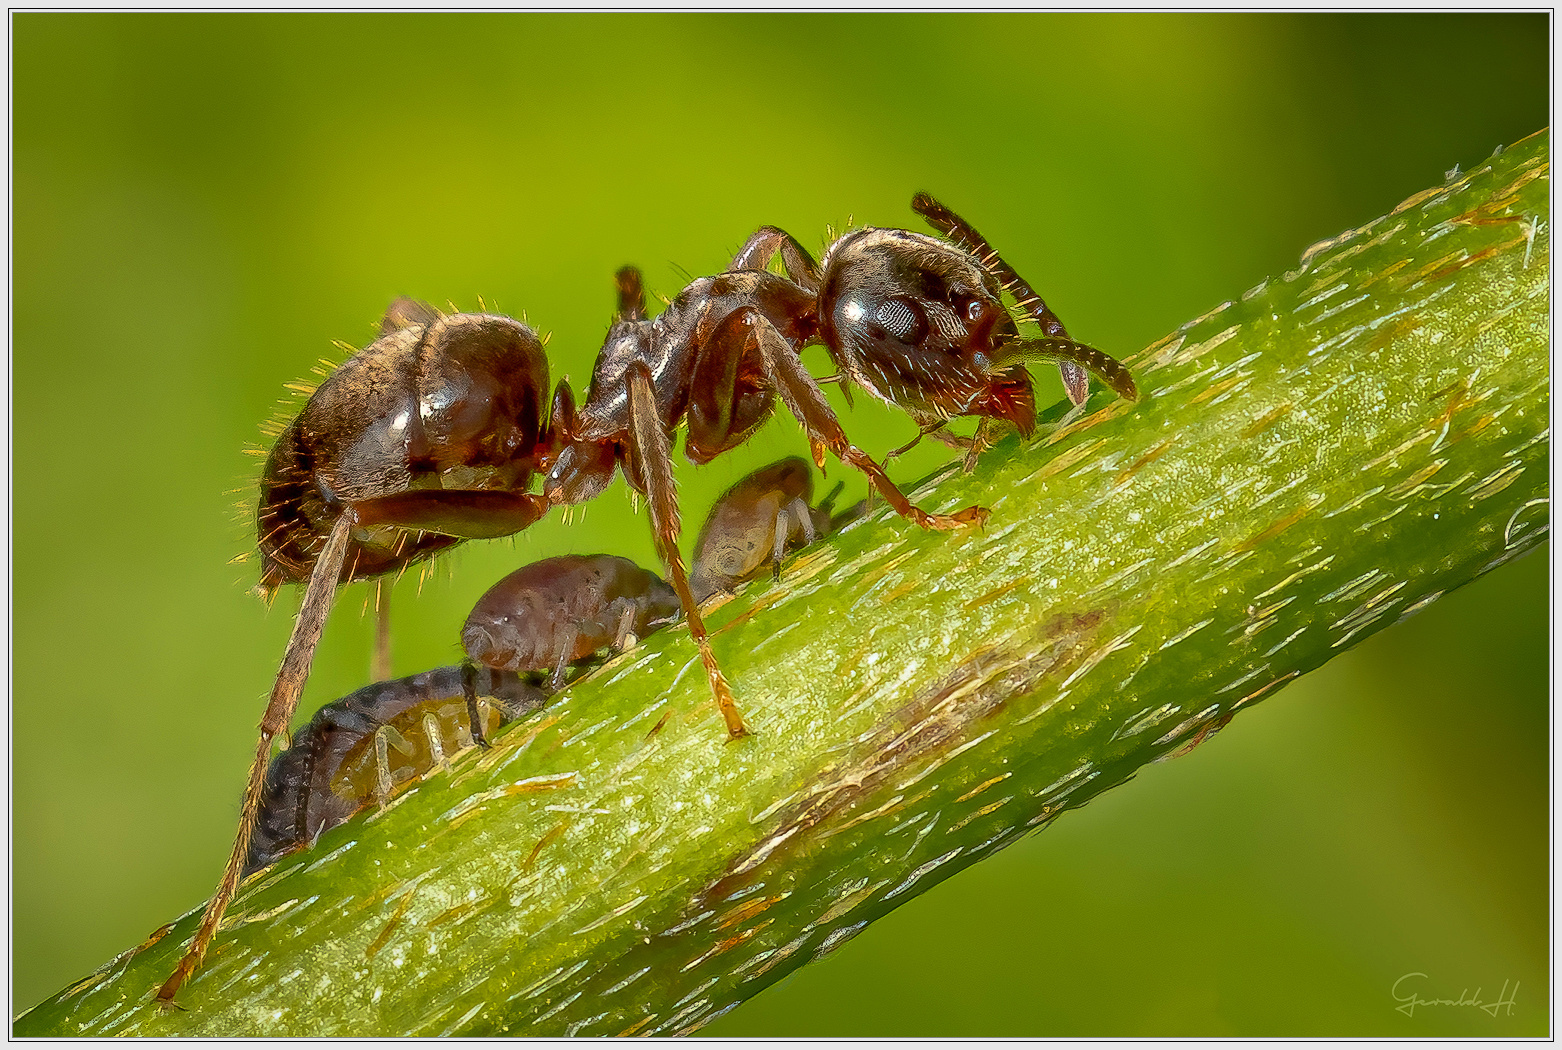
<point x="917" y="321"/>
<point x="754" y="523"/>
<point x="425" y="438"/>
<point x="357" y="750"/>
<point x="559" y="611"/>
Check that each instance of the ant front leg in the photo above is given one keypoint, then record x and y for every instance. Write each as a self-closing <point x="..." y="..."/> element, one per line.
<point x="803" y="396"/>
<point x="762" y="246"/>
<point x="653" y="454"/>
<point x="296" y="660"/>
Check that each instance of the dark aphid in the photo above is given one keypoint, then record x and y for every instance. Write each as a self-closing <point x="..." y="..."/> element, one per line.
<point x="754" y="523"/>
<point x="917" y="321"/>
<point x="427" y="437"/>
<point x="552" y="613"/>
<point x="358" y="750"/>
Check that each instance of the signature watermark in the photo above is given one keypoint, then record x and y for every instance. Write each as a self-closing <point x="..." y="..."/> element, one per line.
<point x="1407" y="992"/>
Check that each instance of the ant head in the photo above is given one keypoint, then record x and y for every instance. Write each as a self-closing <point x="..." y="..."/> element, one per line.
<point x="903" y="296"/>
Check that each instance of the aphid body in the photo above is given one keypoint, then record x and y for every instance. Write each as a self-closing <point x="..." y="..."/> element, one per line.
<point x="555" y="612"/>
<point x="357" y="750"/>
<point x="754" y="523"/>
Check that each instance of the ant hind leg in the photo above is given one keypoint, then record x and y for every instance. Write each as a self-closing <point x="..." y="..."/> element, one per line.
<point x="296" y="659"/>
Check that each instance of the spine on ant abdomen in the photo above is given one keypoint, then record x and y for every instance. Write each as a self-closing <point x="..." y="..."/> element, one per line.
<point x="361" y="748"/>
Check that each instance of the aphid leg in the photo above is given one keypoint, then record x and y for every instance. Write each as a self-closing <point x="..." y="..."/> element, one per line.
<point x="567" y="635"/>
<point x="624" y="635"/>
<point x="318" y="596"/>
<point x="382" y="777"/>
<point x="782" y="534"/>
<point x="762" y="246"/>
<point x="381" y="669"/>
<point x="436" y="741"/>
<point x="649" y="445"/>
<point x="803" y="396"/>
<point x="800" y="514"/>
<point x="469" y="690"/>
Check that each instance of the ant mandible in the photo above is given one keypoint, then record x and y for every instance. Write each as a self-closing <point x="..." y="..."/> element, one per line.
<point x="918" y="322"/>
<point x="427" y="437"/>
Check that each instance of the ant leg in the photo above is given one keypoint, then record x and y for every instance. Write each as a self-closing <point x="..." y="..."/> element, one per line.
<point x="631" y="294"/>
<point x="649" y="446"/>
<point x="922" y="432"/>
<point x="469" y="514"/>
<point x="318" y="596"/>
<point x="803" y="396"/>
<point x="1075" y="381"/>
<point x="762" y="246"/>
<point x="979" y="444"/>
<point x="380" y="671"/>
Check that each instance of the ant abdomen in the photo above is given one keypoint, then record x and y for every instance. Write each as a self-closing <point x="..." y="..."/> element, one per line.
<point x="558" y="611"/>
<point x="359" y="749"/>
<point x="418" y="426"/>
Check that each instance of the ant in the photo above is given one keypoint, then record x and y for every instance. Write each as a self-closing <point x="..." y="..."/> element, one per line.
<point x="558" y="611"/>
<point x="917" y="321"/>
<point x="427" y="437"/>
<point x="358" y="749"/>
<point x="754" y="524"/>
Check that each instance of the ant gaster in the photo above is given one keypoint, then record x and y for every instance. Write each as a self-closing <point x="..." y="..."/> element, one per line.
<point x="917" y="321"/>
<point x="427" y="437"/>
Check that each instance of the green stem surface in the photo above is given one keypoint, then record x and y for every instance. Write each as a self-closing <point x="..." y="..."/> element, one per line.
<point x="1309" y="463"/>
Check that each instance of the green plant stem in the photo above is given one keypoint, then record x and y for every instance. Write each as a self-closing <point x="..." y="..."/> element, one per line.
<point x="1308" y="464"/>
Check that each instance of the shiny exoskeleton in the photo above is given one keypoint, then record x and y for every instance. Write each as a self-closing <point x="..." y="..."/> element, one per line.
<point x="427" y="437"/>
<point x="358" y="750"/>
<point x="919" y="322"/>
<point x="558" y="611"/>
<point x="754" y="523"/>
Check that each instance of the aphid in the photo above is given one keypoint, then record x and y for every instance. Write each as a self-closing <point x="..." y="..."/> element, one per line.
<point x="427" y="437"/>
<point x="755" y="522"/>
<point x="357" y="750"/>
<point x="917" y="321"/>
<point x="558" y="611"/>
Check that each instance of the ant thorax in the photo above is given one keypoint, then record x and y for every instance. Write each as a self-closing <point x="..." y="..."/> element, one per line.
<point x="670" y="344"/>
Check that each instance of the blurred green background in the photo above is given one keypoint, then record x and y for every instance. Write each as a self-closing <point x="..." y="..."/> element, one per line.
<point x="201" y="203"/>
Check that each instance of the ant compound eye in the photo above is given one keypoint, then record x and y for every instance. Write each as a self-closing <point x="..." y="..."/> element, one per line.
<point x="902" y="319"/>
